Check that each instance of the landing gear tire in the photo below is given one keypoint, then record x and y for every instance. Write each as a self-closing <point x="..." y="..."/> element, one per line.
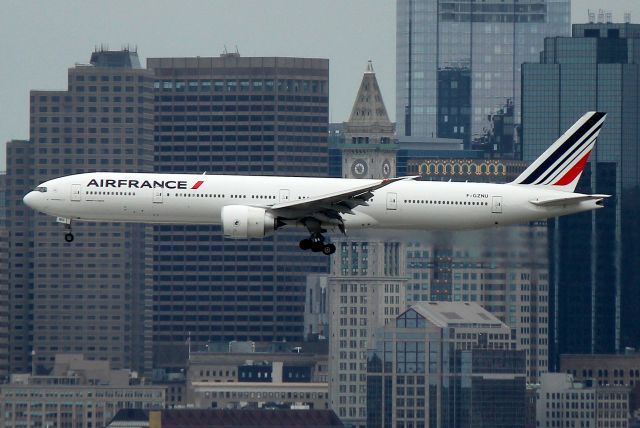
<point x="317" y="246"/>
<point x="305" y="244"/>
<point x="328" y="249"/>
<point x="68" y="236"/>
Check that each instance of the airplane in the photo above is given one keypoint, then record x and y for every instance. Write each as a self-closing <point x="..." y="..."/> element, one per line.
<point x="256" y="206"/>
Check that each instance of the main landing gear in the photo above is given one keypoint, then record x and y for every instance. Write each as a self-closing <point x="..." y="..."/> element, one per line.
<point x="316" y="244"/>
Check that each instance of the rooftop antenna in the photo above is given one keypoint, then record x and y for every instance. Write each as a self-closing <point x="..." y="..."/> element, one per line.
<point x="592" y="16"/>
<point x="608" y="16"/>
<point x="227" y="54"/>
<point x="627" y="17"/>
<point x="600" y="16"/>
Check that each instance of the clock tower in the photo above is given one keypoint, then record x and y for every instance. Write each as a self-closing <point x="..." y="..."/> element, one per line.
<point x="366" y="269"/>
<point x="369" y="149"/>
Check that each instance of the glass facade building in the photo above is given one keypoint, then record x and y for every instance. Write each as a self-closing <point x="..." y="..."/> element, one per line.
<point x="445" y="365"/>
<point x="235" y="115"/>
<point x="594" y="285"/>
<point x="458" y="65"/>
<point x="505" y="270"/>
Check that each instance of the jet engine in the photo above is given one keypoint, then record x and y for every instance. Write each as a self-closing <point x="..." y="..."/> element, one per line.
<point x="243" y="222"/>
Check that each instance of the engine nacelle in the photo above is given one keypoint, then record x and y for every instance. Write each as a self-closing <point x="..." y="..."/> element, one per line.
<point x="243" y="222"/>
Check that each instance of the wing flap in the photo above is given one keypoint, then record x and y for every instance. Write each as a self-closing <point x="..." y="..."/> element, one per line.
<point x="347" y="198"/>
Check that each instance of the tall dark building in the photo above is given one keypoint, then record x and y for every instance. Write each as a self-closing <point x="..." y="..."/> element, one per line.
<point x="458" y="66"/>
<point x="89" y="296"/>
<point x="235" y="115"/>
<point x="4" y="282"/>
<point x="19" y="180"/>
<point x="594" y="282"/>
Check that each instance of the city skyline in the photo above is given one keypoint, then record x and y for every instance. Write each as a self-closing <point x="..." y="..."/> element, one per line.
<point x="319" y="33"/>
<point x="404" y="328"/>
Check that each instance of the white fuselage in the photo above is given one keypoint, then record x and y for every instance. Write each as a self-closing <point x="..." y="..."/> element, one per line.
<point x="406" y="204"/>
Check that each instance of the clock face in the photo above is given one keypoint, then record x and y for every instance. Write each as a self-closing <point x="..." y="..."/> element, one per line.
<point x="386" y="169"/>
<point x="359" y="168"/>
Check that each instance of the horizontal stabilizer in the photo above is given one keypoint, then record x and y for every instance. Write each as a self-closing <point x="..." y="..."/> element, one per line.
<point x="568" y="200"/>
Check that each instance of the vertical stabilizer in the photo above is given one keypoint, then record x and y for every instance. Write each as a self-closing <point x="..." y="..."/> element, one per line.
<point x="561" y="165"/>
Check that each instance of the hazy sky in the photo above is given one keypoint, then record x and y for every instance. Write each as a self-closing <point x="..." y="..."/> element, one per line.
<point x="39" y="40"/>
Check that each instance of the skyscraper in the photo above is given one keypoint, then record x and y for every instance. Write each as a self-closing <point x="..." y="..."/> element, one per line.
<point x="18" y="180"/>
<point x="458" y="65"/>
<point x="594" y="285"/>
<point x="88" y="296"/>
<point x="4" y="282"/>
<point x="235" y="115"/>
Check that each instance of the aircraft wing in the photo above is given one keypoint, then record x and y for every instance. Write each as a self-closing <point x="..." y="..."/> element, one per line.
<point x="328" y="208"/>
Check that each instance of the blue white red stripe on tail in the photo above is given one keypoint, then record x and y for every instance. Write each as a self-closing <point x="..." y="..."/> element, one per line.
<point x="562" y="164"/>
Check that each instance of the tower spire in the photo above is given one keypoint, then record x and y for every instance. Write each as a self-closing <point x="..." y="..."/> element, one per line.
<point x="370" y="149"/>
<point x="369" y="107"/>
<point x="369" y="67"/>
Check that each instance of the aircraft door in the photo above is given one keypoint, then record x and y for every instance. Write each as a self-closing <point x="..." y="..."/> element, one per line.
<point x="284" y="195"/>
<point x="496" y="204"/>
<point x="157" y="196"/>
<point x="392" y="201"/>
<point x="76" y="192"/>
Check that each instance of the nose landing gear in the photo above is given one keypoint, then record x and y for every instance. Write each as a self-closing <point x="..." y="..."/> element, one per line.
<point x="316" y="244"/>
<point x="68" y="236"/>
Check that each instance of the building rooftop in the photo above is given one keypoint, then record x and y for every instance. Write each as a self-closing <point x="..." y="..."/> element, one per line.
<point x="451" y="314"/>
<point x="130" y="418"/>
<point x="593" y="357"/>
<point x="606" y="30"/>
<point x="74" y="369"/>
<point x="167" y="66"/>
<point x="115" y="59"/>
<point x="201" y="418"/>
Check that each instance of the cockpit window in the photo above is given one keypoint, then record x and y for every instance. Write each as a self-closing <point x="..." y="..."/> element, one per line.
<point x="40" y="189"/>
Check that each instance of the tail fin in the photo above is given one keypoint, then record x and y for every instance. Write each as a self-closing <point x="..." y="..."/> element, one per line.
<point x="561" y="165"/>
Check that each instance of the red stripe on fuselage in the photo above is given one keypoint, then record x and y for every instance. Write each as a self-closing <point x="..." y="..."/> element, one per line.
<point x="573" y="172"/>
<point x="198" y="184"/>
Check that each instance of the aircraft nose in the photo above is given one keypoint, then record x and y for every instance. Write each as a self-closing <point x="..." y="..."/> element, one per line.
<point x="31" y="200"/>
